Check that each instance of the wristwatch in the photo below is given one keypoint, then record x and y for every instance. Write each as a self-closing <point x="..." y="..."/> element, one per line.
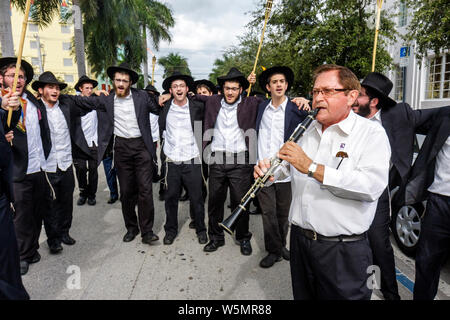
<point x="312" y="168"/>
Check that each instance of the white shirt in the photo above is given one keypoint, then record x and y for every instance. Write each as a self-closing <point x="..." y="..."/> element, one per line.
<point x="441" y="183"/>
<point x="36" y="157"/>
<point x="345" y="203"/>
<point x="89" y="124"/>
<point x="377" y="118"/>
<point x="154" y="126"/>
<point x="179" y="140"/>
<point x="125" y="120"/>
<point x="228" y="136"/>
<point x="271" y="133"/>
<point x="61" y="153"/>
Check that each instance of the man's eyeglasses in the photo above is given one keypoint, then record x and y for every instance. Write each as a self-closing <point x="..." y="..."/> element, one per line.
<point x="231" y="89"/>
<point x="122" y="80"/>
<point x="23" y="78"/>
<point x="327" y="92"/>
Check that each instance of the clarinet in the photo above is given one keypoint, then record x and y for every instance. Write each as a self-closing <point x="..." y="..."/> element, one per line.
<point x="229" y="224"/>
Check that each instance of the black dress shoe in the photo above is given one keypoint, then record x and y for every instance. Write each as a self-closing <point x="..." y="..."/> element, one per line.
<point x="213" y="245"/>
<point x="149" y="237"/>
<point x="130" y="235"/>
<point x="246" y="247"/>
<point x="269" y="260"/>
<point x="91" y="201"/>
<point x="161" y="197"/>
<point x="36" y="258"/>
<point x="202" y="238"/>
<point x="112" y="200"/>
<point x="81" y="201"/>
<point x="23" y="267"/>
<point x="66" y="239"/>
<point x="55" y="247"/>
<point x="192" y="224"/>
<point x="285" y="254"/>
<point x="168" y="238"/>
<point x="254" y="212"/>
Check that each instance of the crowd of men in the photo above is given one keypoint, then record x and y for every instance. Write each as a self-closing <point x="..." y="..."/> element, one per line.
<point x="333" y="193"/>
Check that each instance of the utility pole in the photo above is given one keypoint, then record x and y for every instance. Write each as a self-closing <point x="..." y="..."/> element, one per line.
<point x="6" y="39"/>
<point x="79" y="38"/>
<point x="41" y="65"/>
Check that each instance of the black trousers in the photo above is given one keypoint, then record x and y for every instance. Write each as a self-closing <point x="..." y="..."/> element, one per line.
<point x="11" y="286"/>
<point x="383" y="254"/>
<point x="189" y="175"/>
<point x="237" y="177"/>
<point x="61" y="213"/>
<point x="433" y="248"/>
<point x="32" y="204"/>
<point x="274" y="202"/>
<point x="87" y="174"/>
<point x="134" y="171"/>
<point x="328" y="270"/>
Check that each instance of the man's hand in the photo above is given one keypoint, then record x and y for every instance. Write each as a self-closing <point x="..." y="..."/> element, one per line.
<point x="302" y="103"/>
<point x="164" y="98"/>
<point x="9" y="136"/>
<point x="252" y="78"/>
<point x="11" y="100"/>
<point x="261" y="168"/>
<point x="99" y="92"/>
<point x="294" y="154"/>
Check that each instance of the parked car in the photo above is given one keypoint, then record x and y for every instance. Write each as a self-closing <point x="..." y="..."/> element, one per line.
<point x="406" y="221"/>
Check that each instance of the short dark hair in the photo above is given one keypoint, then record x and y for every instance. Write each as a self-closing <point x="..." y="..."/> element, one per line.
<point x="202" y="85"/>
<point x="8" y="66"/>
<point x="372" y="94"/>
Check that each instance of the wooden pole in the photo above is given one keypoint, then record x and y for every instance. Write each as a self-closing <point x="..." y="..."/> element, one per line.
<point x="377" y="27"/>
<point x="19" y="55"/>
<point x="153" y="70"/>
<point x="268" y="9"/>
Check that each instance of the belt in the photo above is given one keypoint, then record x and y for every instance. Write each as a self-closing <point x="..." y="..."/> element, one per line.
<point x="312" y="235"/>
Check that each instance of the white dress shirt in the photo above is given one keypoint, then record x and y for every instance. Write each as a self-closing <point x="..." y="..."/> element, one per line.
<point x="228" y="137"/>
<point x="89" y="124"/>
<point x="346" y="201"/>
<point x="125" y="120"/>
<point x="36" y="157"/>
<point x="441" y="183"/>
<point x="154" y="126"/>
<point x="179" y="140"/>
<point x="271" y="133"/>
<point x="377" y="118"/>
<point x="61" y="152"/>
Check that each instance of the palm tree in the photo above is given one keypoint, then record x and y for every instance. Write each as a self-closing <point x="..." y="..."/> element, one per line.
<point x="174" y="62"/>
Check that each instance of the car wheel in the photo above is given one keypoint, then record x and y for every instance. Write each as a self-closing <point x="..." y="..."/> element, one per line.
<point x="406" y="226"/>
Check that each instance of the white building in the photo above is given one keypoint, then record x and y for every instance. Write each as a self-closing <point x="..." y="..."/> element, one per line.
<point x="425" y="83"/>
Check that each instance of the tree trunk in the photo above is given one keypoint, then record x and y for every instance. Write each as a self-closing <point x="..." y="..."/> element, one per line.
<point x="145" y="62"/>
<point x="79" y="39"/>
<point x="6" y="38"/>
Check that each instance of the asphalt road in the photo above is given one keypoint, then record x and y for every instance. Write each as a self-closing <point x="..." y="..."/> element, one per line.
<point x="100" y="266"/>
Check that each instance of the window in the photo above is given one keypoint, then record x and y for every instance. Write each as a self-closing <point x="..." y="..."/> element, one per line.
<point x="403" y="14"/>
<point x="32" y="27"/>
<point x="398" y="92"/>
<point x="68" y="62"/>
<point x="67" y="46"/>
<point x="438" y="80"/>
<point x="33" y="44"/>
<point x="65" y="29"/>
<point x="68" y="78"/>
<point x="35" y="61"/>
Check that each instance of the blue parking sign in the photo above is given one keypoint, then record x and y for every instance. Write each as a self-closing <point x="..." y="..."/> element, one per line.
<point x="404" y="52"/>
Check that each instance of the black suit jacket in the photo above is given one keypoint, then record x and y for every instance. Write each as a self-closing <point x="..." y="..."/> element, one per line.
<point x="196" y="111"/>
<point x="20" y="143"/>
<point x="422" y="172"/>
<point x="143" y="105"/>
<point x="292" y="117"/>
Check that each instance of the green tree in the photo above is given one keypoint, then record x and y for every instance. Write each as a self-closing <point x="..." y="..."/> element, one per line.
<point x="429" y="27"/>
<point x="174" y="62"/>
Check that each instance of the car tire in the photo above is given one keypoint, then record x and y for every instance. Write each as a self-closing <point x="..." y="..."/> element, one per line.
<point x="406" y="227"/>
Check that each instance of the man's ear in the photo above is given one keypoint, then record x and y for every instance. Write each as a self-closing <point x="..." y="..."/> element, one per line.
<point x="374" y="102"/>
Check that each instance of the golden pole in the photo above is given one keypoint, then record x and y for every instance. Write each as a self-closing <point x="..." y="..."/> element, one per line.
<point x="153" y="70"/>
<point x="19" y="55"/>
<point x="268" y="9"/>
<point x="377" y="27"/>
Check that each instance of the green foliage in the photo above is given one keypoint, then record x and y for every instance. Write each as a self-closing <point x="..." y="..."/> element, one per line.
<point x="430" y="26"/>
<point x="42" y="11"/>
<point x="304" y="34"/>
<point x="174" y="62"/>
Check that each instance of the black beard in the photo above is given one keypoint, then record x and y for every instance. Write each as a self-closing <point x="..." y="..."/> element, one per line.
<point x="364" y="110"/>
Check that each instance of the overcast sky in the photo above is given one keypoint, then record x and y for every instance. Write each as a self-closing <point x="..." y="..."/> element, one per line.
<point x="203" y="29"/>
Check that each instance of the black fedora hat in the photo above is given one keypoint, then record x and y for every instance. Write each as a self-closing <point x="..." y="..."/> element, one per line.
<point x="84" y="79"/>
<point x="47" y="78"/>
<point x="382" y="86"/>
<point x="209" y="84"/>
<point x="123" y="67"/>
<point x="151" y="88"/>
<point x="265" y="76"/>
<point x="29" y="72"/>
<point x="236" y="75"/>
<point x="178" y="76"/>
